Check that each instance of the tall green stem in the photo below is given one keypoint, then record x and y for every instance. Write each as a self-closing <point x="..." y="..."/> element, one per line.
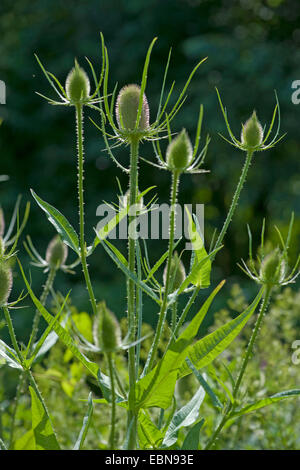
<point x="164" y="307"/>
<point x="231" y="406"/>
<point x="113" y="401"/>
<point x="235" y="199"/>
<point x="79" y="121"/>
<point x="133" y="192"/>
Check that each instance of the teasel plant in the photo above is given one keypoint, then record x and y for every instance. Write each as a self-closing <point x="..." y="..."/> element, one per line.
<point x="132" y="127"/>
<point x="77" y="94"/>
<point x="271" y="271"/>
<point x="125" y="120"/>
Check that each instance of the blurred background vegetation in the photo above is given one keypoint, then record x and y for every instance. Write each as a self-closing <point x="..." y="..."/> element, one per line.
<point x="252" y="49"/>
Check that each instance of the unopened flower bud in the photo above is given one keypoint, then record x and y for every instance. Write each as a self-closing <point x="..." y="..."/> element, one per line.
<point x="177" y="272"/>
<point x="107" y="333"/>
<point x="252" y="132"/>
<point x="273" y="268"/>
<point x="180" y="152"/>
<point x="127" y="109"/>
<point x="124" y="201"/>
<point x="5" y="282"/>
<point x="77" y="84"/>
<point x="56" y="253"/>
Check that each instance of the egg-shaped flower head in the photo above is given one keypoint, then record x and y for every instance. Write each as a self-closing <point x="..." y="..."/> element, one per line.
<point x="127" y="107"/>
<point x="6" y="282"/>
<point x="179" y="152"/>
<point x="57" y="253"/>
<point x="77" y="85"/>
<point x="252" y="132"/>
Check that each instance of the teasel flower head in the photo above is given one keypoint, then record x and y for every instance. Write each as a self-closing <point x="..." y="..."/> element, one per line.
<point x="107" y="332"/>
<point x="77" y="85"/>
<point x="252" y="132"/>
<point x="76" y="91"/>
<point x="131" y="120"/>
<point x="6" y="282"/>
<point x="179" y="152"/>
<point x="253" y="135"/>
<point x="127" y="108"/>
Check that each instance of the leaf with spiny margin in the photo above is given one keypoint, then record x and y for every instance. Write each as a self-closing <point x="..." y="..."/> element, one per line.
<point x="61" y="224"/>
<point x="44" y="436"/>
<point x="199" y="276"/>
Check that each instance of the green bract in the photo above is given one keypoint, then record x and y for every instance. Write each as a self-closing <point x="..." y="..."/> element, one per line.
<point x="77" y="84"/>
<point x="127" y="109"/>
<point x="5" y="282"/>
<point x="180" y="152"/>
<point x="56" y="253"/>
<point x="252" y="132"/>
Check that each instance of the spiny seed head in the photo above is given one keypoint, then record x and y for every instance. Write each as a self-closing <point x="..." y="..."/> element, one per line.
<point x="77" y="84"/>
<point x="107" y="333"/>
<point x="5" y="282"/>
<point x="273" y="268"/>
<point x="2" y="222"/>
<point x="252" y="132"/>
<point x="177" y="273"/>
<point x="180" y="152"/>
<point x="57" y="253"/>
<point x="127" y="109"/>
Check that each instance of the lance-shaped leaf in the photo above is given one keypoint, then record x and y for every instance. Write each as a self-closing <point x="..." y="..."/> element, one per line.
<point x="266" y="402"/>
<point x="61" y="224"/>
<point x="157" y="387"/>
<point x="150" y="437"/>
<point x="204" y="351"/>
<point x="64" y="336"/>
<point x="191" y="441"/>
<point x="199" y="276"/>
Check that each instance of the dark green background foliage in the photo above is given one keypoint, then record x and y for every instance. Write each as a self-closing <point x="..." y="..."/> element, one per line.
<point x="252" y="49"/>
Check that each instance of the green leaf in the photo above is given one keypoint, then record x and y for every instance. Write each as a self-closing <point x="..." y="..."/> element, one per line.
<point x="157" y="387"/>
<point x="205" y="385"/>
<point x="186" y="416"/>
<point x="149" y="434"/>
<point x="62" y="226"/>
<point x="25" y="442"/>
<point x="265" y="402"/>
<point x="64" y="336"/>
<point x="211" y="346"/>
<point x="200" y="276"/>
<point x="85" y="425"/>
<point x="191" y="441"/>
<point x="9" y="355"/>
<point x="44" y="436"/>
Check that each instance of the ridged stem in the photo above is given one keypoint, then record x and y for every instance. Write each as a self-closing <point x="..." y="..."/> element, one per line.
<point x="80" y="148"/>
<point x="235" y="199"/>
<point x="163" y="311"/>
<point x="113" y="401"/>
<point x="133" y="192"/>
<point x="231" y="406"/>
